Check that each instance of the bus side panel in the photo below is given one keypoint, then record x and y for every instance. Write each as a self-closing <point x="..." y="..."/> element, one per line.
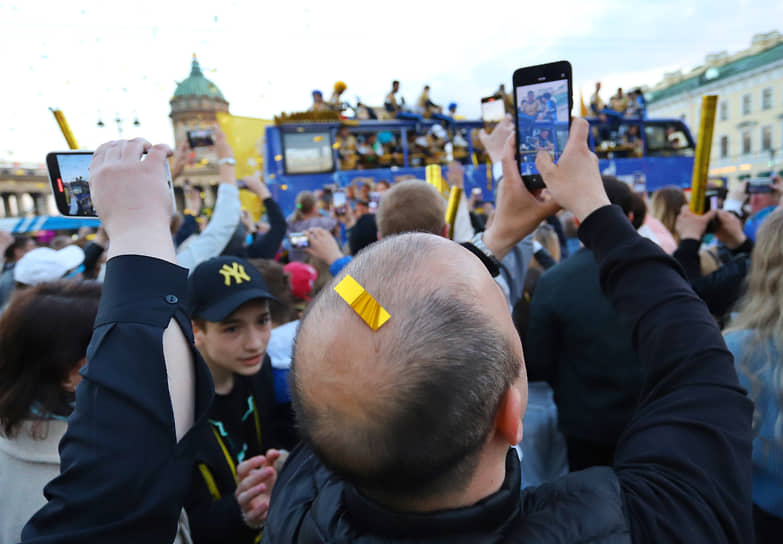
<point x="650" y="173"/>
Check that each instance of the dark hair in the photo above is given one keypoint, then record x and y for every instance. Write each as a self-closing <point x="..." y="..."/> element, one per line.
<point x="19" y="242"/>
<point x="639" y="209"/>
<point x="618" y="192"/>
<point x="363" y="233"/>
<point x="279" y="285"/>
<point x="44" y="334"/>
<point x="419" y="431"/>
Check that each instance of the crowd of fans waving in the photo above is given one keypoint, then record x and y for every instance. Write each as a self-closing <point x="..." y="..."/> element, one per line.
<point x="583" y="364"/>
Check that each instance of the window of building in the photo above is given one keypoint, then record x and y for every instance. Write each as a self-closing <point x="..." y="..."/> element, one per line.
<point x="747" y="146"/>
<point x="724" y="147"/>
<point x="766" y="99"/>
<point x="746" y="104"/>
<point x="766" y="138"/>
<point x="724" y="111"/>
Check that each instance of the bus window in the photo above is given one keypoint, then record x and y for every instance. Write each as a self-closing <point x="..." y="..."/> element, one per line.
<point x="667" y="140"/>
<point x="308" y="152"/>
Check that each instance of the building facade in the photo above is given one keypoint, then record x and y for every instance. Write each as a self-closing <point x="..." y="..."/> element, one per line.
<point x="748" y="135"/>
<point x="195" y="105"/>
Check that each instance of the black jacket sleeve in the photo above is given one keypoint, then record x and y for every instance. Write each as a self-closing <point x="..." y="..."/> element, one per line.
<point x="123" y="474"/>
<point x="544" y="258"/>
<point x="188" y="228"/>
<point x="266" y="246"/>
<point x="542" y="337"/>
<point x="722" y="289"/>
<point x="215" y="521"/>
<point x="687" y="254"/>
<point x="684" y="462"/>
<point x="92" y="252"/>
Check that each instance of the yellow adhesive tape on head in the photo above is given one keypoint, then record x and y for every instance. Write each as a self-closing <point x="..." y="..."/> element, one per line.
<point x="362" y="302"/>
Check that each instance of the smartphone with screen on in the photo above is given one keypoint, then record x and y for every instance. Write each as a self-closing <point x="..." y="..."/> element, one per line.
<point x="299" y="240"/>
<point x="493" y="110"/>
<point x="201" y="137"/>
<point x="543" y="98"/>
<point x="759" y="185"/>
<point x="339" y="200"/>
<point x="69" y="174"/>
<point x="375" y="199"/>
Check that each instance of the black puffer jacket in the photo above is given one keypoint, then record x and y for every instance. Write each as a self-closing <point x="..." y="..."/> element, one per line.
<point x="316" y="506"/>
<point x="682" y="468"/>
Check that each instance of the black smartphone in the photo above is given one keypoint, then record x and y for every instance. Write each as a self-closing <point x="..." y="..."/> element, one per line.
<point x="201" y="137"/>
<point x="299" y="239"/>
<point x="759" y="185"/>
<point x="543" y="98"/>
<point x="493" y="110"/>
<point x="69" y="175"/>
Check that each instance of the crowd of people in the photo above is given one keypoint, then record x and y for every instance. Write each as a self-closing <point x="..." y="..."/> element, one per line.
<point x="583" y="364"/>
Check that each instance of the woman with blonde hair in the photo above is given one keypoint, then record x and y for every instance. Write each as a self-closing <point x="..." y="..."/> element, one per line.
<point x="756" y="340"/>
<point x="665" y="207"/>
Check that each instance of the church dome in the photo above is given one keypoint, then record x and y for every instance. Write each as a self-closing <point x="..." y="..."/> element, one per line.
<point x="197" y="85"/>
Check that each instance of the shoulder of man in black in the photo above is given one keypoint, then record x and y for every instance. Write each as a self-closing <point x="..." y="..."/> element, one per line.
<point x="311" y="503"/>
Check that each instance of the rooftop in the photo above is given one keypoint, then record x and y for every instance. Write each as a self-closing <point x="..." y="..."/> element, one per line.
<point x="197" y="85"/>
<point x="765" y="49"/>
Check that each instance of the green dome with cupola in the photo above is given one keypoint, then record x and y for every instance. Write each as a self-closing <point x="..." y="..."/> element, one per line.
<point x="197" y="85"/>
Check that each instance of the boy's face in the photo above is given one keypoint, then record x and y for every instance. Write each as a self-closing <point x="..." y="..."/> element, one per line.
<point x="238" y="343"/>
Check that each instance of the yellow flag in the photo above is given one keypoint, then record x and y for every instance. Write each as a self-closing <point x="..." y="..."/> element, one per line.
<point x="245" y="135"/>
<point x="582" y="107"/>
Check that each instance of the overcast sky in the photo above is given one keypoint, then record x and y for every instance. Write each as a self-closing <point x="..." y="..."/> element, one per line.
<point x="267" y="56"/>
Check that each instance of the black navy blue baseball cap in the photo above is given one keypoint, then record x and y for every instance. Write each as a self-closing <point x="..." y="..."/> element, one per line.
<point x="219" y="286"/>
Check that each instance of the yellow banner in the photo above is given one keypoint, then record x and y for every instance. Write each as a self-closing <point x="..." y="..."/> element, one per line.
<point x="245" y="135"/>
<point x="701" y="164"/>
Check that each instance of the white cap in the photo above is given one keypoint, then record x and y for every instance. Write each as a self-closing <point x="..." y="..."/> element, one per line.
<point x="45" y="264"/>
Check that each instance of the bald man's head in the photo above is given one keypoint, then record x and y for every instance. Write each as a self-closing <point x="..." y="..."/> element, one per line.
<point x="411" y="206"/>
<point x="402" y="411"/>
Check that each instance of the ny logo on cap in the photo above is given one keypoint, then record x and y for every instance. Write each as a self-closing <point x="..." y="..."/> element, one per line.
<point x="236" y="271"/>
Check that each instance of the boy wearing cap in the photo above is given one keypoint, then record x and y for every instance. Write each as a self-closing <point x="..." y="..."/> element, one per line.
<point x="236" y="452"/>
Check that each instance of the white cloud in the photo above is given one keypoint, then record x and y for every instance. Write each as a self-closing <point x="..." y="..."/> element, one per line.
<point x="267" y="56"/>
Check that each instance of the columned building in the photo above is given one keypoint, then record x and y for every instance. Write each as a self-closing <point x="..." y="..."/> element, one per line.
<point x="748" y="135"/>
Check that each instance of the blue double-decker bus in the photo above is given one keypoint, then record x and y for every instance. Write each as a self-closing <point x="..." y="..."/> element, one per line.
<point x="646" y="153"/>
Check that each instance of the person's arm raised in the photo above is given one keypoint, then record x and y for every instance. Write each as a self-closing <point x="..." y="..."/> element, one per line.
<point x="141" y="392"/>
<point x="684" y="461"/>
<point x="517" y="211"/>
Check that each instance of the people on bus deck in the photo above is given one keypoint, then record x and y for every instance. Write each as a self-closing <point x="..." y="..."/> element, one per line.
<point x="619" y="102"/>
<point x="425" y="104"/>
<point x="318" y="102"/>
<point x="336" y="101"/>
<point x="390" y="102"/>
<point x="597" y="105"/>
<point x="632" y="139"/>
<point x="346" y="148"/>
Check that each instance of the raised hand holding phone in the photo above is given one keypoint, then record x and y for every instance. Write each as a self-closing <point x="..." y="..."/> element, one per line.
<point x="575" y="181"/>
<point x="132" y="197"/>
